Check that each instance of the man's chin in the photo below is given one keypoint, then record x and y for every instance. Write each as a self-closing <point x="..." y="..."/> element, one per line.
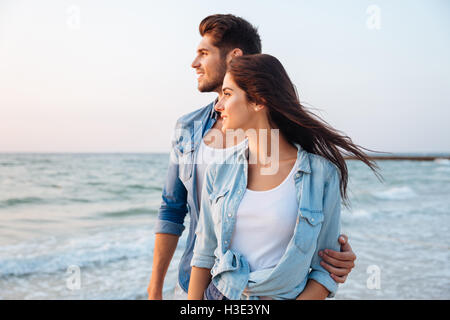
<point x="202" y="87"/>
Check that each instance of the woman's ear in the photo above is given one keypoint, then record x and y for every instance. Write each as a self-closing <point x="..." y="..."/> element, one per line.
<point x="258" y="107"/>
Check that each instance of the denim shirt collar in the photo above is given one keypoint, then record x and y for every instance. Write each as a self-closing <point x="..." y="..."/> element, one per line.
<point x="214" y="114"/>
<point x="303" y="164"/>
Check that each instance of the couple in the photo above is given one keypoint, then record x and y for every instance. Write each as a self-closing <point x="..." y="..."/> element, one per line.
<point x="252" y="235"/>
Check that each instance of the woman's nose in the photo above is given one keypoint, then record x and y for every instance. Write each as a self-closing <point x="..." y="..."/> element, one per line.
<point x="219" y="106"/>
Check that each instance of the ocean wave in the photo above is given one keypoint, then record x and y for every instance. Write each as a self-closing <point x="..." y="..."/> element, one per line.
<point x="396" y="193"/>
<point x="129" y="212"/>
<point x="8" y="164"/>
<point x="358" y="214"/>
<point x="89" y="251"/>
<point x="144" y="187"/>
<point x="19" y="201"/>
<point x="442" y="169"/>
<point x="442" y="161"/>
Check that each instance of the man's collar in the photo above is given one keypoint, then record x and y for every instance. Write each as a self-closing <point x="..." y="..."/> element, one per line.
<point x="214" y="114"/>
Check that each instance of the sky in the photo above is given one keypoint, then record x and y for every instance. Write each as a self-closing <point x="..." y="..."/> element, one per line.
<point x="114" y="76"/>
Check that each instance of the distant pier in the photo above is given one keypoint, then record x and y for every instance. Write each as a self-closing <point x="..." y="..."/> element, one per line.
<point x="409" y="158"/>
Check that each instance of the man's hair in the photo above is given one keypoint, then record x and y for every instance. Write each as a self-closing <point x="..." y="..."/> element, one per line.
<point x="229" y="32"/>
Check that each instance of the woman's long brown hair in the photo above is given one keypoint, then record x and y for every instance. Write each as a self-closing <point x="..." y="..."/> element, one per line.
<point x="266" y="82"/>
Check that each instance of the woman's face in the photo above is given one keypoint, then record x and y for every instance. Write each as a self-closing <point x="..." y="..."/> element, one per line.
<point x="234" y="108"/>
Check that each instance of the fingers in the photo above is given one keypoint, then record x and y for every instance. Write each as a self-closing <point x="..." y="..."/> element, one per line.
<point x="343" y="239"/>
<point x="339" y="263"/>
<point x="345" y="246"/>
<point x="344" y="256"/>
<point x="339" y="279"/>
<point x="333" y="270"/>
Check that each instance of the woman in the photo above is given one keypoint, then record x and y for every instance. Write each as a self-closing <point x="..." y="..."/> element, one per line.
<point x="259" y="234"/>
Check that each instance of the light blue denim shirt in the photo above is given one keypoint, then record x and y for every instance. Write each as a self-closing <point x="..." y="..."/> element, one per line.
<point x="179" y="195"/>
<point x="317" y="228"/>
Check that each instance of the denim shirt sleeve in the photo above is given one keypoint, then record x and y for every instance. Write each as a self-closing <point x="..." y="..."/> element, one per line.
<point x="206" y="241"/>
<point x="329" y="233"/>
<point x="173" y="207"/>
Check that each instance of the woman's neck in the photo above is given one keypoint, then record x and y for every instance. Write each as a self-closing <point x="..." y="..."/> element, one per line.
<point x="267" y="145"/>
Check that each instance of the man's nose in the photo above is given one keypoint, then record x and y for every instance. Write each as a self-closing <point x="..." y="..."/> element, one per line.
<point x="195" y="64"/>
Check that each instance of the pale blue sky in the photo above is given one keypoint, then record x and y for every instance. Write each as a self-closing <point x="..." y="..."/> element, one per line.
<point x="113" y="76"/>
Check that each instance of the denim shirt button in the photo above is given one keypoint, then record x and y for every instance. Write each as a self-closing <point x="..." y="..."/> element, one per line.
<point x="229" y="214"/>
<point x="297" y="175"/>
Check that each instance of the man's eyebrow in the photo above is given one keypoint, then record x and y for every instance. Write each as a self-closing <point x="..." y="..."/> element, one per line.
<point x="202" y="49"/>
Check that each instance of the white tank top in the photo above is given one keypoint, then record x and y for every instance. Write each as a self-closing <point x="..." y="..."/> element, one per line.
<point x="265" y="222"/>
<point x="206" y="155"/>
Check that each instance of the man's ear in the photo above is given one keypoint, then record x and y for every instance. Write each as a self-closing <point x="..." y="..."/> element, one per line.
<point x="236" y="52"/>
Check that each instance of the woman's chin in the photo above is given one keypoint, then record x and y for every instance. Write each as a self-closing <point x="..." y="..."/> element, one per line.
<point x="224" y="125"/>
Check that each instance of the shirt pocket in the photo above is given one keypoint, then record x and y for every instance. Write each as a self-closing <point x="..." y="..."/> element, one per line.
<point x="308" y="228"/>
<point x="217" y="199"/>
<point x="185" y="161"/>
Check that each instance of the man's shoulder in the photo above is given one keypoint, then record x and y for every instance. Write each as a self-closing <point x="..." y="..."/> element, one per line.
<point x="197" y="115"/>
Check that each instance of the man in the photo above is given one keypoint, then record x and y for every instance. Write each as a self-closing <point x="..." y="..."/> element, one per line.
<point x="223" y="37"/>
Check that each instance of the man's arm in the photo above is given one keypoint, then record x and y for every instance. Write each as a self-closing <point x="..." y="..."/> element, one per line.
<point x="339" y="264"/>
<point x="169" y="225"/>
<point x="165" y="245"/>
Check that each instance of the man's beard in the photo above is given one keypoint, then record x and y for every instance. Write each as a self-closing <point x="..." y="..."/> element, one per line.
<point x="210" y="86"/>
<point x="216" y="82"/>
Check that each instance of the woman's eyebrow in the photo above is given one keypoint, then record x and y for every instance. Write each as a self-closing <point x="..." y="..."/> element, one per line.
<point x="226" y="88"/>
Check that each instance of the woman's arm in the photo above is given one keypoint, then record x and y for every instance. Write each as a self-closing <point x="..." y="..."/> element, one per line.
<point x="200" y="278"/>
<point x="313" y="291"/>
<point x="203" y="258"/>
<point x="329" y="232"/>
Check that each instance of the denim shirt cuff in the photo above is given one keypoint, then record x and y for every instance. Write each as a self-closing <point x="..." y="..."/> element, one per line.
<point x="201" y="261"/>
<point x="164" y="226"/>
<point x="324" y="279"/>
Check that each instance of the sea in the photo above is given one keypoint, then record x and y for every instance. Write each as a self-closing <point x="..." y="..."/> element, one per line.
<point x="81" y="226"/>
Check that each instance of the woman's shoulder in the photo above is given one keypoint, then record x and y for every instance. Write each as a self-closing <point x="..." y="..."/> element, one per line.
<point x="321" y="166"/>
<point x="218" y="169"/>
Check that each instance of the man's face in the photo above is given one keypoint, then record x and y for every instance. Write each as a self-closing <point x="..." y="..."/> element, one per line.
<point x="209" y="66"/>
